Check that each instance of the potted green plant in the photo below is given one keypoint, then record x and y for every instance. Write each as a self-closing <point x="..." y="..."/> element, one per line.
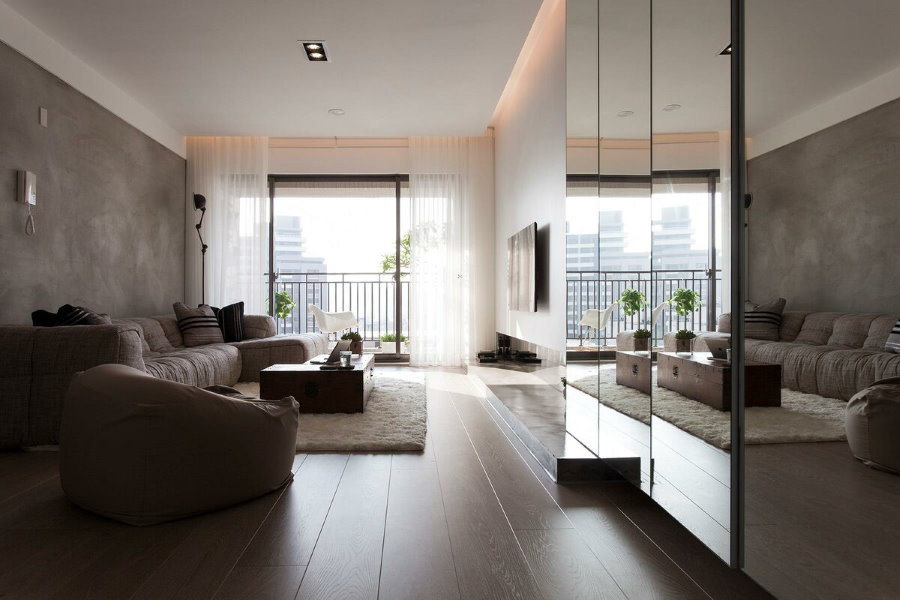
<point x="641" y="340"/>
<point x="284" y="304"/>
<point x="389" y="343"/>
<point x="684" y="302"/>
<point x="684" y="340"/>
<point x="632" y="301"/>
<point x="356" y="342"/>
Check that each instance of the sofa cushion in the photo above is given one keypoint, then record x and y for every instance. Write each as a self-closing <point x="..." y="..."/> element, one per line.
<point x="201" y="366"/>
<point x="259" y="354"/>
<point x="879" y="331"/>
<point x="799" y="367"/>
<point x="154" y="338"/>
<point x="16" y="351"/>
<point x="850" y="331"/>
<point x="817" y="328"/>
<point x="143" y="451"/>
<point x="169" y="324"/>
<point x="791" y="323"/>
<point x="198" y="325"/>
<point x="259" y="326"/>
<point x="762" y="321"/>
<point x="842" y="373"/>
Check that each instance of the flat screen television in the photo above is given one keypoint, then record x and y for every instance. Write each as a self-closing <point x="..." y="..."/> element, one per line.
<point x="521" y="277"/>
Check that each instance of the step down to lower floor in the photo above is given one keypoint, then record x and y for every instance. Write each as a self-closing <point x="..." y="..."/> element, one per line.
<point x="536" y="412"/>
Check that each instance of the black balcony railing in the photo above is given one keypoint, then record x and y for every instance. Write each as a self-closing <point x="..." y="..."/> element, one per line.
<point x="599" y="289"/>
<point x="372" y="297"/>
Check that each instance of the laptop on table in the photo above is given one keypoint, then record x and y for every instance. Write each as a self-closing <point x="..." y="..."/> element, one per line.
<point x="333" y="358"/>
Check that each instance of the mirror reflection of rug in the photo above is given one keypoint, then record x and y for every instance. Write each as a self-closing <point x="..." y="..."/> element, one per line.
<point x="394" y="421"/>
<point x="800" y="418"/>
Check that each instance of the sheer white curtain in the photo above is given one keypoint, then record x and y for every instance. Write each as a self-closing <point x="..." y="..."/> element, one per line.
<point x="232" y="172"/>
<point x="451" y="227"/>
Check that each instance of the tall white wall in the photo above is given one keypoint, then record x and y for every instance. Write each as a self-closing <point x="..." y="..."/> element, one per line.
<point x="530" y="173"/>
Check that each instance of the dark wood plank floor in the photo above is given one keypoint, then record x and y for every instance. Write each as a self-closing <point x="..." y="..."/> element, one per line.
<point x="474" y="516"/>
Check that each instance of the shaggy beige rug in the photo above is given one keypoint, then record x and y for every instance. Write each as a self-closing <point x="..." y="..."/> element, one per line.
<point x="800" y="418"/>
<point x="394" y="421"/>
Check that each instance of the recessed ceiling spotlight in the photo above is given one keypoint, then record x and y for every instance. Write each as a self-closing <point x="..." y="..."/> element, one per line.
<point x="315" y="50"/>
<point x="338" y="112"/>
<point x="624" y="113"/>
<point x="671" y="107"/>
<point x="726" y="51"/>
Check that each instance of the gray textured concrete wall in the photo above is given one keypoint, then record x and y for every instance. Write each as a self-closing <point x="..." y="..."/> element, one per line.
<point x="824" y="227"/>
<point x="110" y="209"/>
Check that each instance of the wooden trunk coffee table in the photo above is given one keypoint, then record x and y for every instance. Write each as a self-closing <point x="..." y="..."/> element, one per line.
<point x="321" y="391"/>
<point x="700" y="379"/>
<point x="634" y="369"/>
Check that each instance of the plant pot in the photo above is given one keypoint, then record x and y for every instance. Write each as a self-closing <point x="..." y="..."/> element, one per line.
<point x="684" y="346"/>
<point x="641" y="344"/>
<point x="356" y="347"/>
<point x="391" y="348"/>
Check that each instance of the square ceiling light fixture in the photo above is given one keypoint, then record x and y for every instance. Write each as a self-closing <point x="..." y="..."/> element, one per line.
<point x="315" y="50"/>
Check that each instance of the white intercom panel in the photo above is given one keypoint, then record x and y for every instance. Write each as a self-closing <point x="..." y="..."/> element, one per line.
<point x="27" y="187"/>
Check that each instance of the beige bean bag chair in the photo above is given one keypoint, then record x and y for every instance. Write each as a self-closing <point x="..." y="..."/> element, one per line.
<point x="143" y="450"/>
<point x="873" y="425"/>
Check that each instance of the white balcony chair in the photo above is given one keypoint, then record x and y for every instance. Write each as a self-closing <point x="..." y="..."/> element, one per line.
<point x="332" y="322"/>
<point x="594" y="318"/>
<point x="656" y="313"/>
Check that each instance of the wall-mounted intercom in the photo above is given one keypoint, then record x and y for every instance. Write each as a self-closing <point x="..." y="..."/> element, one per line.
<point x="27" y="193"/>
<point x="27" y="187"/>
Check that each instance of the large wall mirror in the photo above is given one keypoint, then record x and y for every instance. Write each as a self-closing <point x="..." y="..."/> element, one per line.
<point x="823" y="118"/>
<point x="659" y="253"/>
<point x="647" y="213"/>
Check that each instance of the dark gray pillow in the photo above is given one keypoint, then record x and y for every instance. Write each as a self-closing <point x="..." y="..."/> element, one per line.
<point x="231" y="321"/>
<point x="69" y="315"/>
<point x="198" y="325"/>
<point x="893" y="341"/>
<point x="762" y="321"/>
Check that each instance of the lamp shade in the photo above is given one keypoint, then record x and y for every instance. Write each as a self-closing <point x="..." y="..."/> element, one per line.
<point x="199" y="202"/>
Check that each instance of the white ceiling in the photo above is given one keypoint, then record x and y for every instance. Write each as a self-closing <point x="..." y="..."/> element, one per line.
<point x="233" y="67"/>
<point x="799" y="54"/>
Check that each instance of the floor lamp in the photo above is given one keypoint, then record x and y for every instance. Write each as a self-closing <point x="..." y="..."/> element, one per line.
<point x="200" y="204"/>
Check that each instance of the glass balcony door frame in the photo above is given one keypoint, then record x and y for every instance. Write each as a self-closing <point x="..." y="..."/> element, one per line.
<point x="398" y="180"/>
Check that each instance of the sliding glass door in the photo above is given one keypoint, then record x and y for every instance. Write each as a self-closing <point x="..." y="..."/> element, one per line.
<point x="341" y="243"/>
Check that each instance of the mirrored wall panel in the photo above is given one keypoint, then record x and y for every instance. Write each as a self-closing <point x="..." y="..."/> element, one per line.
<point x="608" y="236"/>
<point x="623" y="225"/>
<point x="584" y="336"/>
<point x="821" y="469"/>
<point x="691" y="416"/>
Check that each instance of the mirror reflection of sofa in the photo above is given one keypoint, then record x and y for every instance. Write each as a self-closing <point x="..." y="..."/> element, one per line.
<point x="827" y="353"/>
<point x="37" y="364"/>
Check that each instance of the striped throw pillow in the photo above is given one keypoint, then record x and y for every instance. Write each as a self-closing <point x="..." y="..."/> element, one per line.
<point x="69" y="315"/>
<point x="893" y="341"/>
<point x="762" y="321"/>
<point x="231" y="321"/>
<point x="198" y="325"/>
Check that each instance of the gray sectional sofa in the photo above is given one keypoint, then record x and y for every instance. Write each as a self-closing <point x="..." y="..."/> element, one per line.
<point x="37" y="364"/>
<point x="827" y="353"/>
